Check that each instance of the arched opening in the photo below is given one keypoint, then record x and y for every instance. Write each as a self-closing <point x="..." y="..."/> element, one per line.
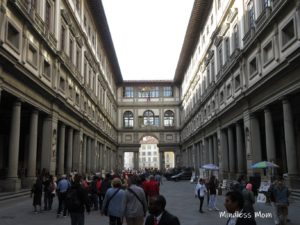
<point x="149" y="157"/>
<point x="169" y="160"/>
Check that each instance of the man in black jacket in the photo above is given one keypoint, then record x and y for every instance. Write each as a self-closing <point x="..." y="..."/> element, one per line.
<point x="159" y="216"/>
<point x="77" y="201"/>
<point x="234" y="203"/>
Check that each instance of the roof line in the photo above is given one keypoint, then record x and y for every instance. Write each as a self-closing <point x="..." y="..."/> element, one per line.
<point x="196" y="24"/>
<point x="96" y="7"/>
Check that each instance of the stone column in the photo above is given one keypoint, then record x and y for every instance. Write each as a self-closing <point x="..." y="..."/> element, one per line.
<point x="88" y="155"/>
<point x="270" y="139"/>
<point x="76" y="150"/>
<point x="49" y="139"/>
<point x="61" y="156"/>
<point x="224" y="147"/>
<point x="92" y="155"/>
<point x="33" y="133"/>
<point x="197" y="158"/>
<point x="215" y="144"/>
<point x="210" y="150"/>
<point x="69" y="151"/>
<point x="205" y="151"/>
<point x="240" y="149"/>
<point x="13" y="183"/>
<point x="255" y="139"/>
<point x="102" y="157"/>
<point x="231" y="151"/>
<point x="84" y="154"/>
<point x="290" y="142"/>
<point x="162" y="160"/>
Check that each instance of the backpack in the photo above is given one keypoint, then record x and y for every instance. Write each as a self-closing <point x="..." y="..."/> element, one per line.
<point x="73" y="202"/>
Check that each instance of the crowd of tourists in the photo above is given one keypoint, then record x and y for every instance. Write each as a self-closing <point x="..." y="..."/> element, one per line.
<point x="128" y="195"/>
<point x="240" y="200"/>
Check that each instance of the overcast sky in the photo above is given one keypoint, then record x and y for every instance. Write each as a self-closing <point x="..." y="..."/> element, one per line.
<point x="148" y="35"/>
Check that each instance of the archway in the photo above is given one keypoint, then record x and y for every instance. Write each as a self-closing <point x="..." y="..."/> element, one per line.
<point x="169" y="159"/>
<point x="149" y="153"/>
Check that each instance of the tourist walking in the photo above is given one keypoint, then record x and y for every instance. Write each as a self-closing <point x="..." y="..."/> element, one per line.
<point x="62" y="187"/>
<point x="77" y="201"/>
<point x="105" y="185"/>
<point x="151" y="187"/>
<point x="135" y="204"/>
<point x="212" y="185"/>
<point x="158" y="214"/>
<point x="281" y="196"/>
<point x="249" y="199"/>
<point x="200" y="192"/>
<point x="234" y="203"/>
<point x="113" y="203"/>
<point x="37" y="192"/>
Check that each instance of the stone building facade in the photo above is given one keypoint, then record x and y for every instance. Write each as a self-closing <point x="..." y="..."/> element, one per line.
<point x="64" y="106"/>
<point x="239" y="78"/>
<point x="58" y="82"/>
<point x="149" y="108"/>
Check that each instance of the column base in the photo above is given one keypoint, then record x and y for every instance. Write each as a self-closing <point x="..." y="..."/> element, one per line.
<point x="27" y="182"/>
<point x="10" y="185"/>
<point x="293" y="181"/>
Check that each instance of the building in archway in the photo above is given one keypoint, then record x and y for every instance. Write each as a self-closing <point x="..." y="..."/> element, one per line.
<point x="64" y="106"/>
<point x="149" y="153"/>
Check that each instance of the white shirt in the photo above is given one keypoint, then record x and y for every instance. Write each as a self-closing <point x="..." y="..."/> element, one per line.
<point x="202" y="189"/>
<point x="158" y="217"/>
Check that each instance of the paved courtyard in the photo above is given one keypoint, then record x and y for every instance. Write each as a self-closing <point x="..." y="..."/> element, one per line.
<point x="180" y="201"/>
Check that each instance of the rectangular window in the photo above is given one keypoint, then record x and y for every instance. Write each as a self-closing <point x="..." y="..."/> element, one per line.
<point x="154" y="92"/>
<point x="212" y="69"/>
<point x="220" y="56"/>
<point x="168" y="92"/>
<point x="13" y="36"/>
<point x="78" y="57"/>
<point x="237" y="82"/>
<point x="32" y="55"/>
<point x="268" y="52"/>
<point x="48" y="16"/>
<point x="70" y="92"/>
<point x="229" y="90"/>
<point x="221" y="96"/>
<point x="252" y="67"/>
<point x="251" y="16"/>
<point x="71" y="49"/>
<point x="62" y="38"/>
<point x="236" y="36"/>
<point x="47" y="69"/>
<point x="62" y="84"/>
<point x="227" y="48"/>
<point x="288" y="33"/>
<point x="128" y="92"/>
<point x="77" y="98"/>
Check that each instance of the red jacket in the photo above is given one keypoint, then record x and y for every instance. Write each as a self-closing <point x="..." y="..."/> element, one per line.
<point x="151" y="188"/>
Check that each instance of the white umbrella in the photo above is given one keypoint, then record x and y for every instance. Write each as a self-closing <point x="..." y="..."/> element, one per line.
<point x="210" y="167"/>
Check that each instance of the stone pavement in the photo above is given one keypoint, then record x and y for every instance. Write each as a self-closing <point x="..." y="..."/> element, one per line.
<point x="180" y="201"/>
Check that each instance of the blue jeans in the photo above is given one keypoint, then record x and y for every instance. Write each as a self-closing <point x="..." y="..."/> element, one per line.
<point x="77" y="218"/>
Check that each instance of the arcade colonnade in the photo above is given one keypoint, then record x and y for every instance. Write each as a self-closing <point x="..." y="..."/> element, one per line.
<point x="38" y="141"/>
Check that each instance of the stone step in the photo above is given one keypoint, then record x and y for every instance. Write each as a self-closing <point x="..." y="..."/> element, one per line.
<point x="295" y="196"/>
<point x="10" y="195"/>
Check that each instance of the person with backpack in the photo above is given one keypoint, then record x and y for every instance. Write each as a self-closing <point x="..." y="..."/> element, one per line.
<point x="249" y="199"/>
<point x="94" y="193"/>
<point x="105" y="185"/>
<point x="49" y="187"/>
<point x="77" y="201"/>
<point x="135" y="206"/>
<point x="113" y="203"/>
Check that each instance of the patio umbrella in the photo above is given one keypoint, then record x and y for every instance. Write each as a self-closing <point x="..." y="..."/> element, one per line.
<point x="210" y="167"/>
<point x="264" y="165"/>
